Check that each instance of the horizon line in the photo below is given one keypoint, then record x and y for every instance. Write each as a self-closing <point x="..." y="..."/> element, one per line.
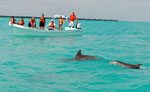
<point x="57" y="18"/>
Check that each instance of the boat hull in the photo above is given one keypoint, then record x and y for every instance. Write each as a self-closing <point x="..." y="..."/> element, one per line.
<point x="27" y="31"/>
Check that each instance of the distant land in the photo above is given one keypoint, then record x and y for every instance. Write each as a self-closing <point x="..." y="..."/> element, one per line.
<point x="51" y="18"/>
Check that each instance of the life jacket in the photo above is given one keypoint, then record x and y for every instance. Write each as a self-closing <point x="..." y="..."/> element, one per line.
<point x="42" y="19"/>
<point x="12" y="21"/>
<point x="72" y="17"/>
<point x="21" y="22"/>
<point x="52" y="25"/>
<point x="32" y="22"/>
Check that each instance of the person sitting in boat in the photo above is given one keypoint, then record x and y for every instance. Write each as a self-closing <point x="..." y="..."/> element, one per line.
<point x="42" y="22"/>
<point x="60" y="23"/>
<point x="32" y="23"/>
<point x="12" y="20"/>
<point x="72" y="18"/>
<point x="52" y="25"/>
<point x="21" y="22"/>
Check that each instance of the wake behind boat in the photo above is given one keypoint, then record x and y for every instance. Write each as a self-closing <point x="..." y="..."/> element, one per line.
<point x="28" y="31"/>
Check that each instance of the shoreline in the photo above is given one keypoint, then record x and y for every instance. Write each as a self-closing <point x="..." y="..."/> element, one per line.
<point x="56" y="18"/>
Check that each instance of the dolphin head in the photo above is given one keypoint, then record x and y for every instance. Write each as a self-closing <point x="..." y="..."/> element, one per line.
<point x="138" y="65"/>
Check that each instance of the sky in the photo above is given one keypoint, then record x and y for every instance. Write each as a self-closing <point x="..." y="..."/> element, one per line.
<point x="124" y="10"/>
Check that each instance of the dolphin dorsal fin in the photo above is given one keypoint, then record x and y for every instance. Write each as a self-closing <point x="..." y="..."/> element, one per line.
<point x="138" y="65"/>
<point x="78" y="53"/>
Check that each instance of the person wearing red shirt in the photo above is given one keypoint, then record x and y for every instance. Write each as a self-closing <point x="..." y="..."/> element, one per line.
<point x="72" y="18"/>
<point x="42" y="22"/>
<point x="32" y="23"/>
<point x="12" y="20"/>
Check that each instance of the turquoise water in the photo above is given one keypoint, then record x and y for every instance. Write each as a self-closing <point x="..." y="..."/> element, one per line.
<point x="38" y="64"/>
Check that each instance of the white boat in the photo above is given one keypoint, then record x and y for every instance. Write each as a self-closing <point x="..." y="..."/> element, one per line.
<point x="69" y="28"/>
<point x="27" y="31"/>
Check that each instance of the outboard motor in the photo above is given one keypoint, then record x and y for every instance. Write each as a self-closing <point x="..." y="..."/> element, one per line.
<point x="78" y="26"/>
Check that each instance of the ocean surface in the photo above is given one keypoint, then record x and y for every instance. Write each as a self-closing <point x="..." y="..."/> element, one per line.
<point x="44" y="64"/>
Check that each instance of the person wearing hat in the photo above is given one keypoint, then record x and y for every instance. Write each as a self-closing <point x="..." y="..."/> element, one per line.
<point x="52" y="25"/>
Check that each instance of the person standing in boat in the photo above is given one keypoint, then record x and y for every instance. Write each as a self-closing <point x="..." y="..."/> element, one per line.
<point x="12" y="20"/>
<point x="72" y="18"/>
<point x="52" y="25"/>
<point x="42" y="22"/>
<point x="32" y="23"/>
<point x="60" y="23"/>
<point x="21" y="22"/>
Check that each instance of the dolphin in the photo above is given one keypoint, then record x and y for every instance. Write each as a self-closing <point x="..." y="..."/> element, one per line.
<point x="79" y="56"/>
<point x="132" y="66"/>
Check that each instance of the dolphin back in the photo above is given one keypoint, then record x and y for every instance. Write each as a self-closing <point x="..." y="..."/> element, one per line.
<point x="136" y="66"/>
<point x="78" y="54"/>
